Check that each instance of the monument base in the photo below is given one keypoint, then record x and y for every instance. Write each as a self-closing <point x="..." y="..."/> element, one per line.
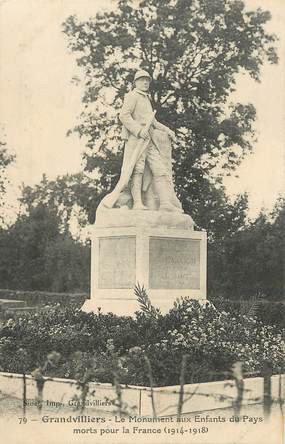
<point x="168" y="261"/>
<point x="128" y="306"/>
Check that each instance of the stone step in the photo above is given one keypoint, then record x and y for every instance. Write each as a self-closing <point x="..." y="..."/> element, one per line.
<point x="12" y="303"/>
<point x="42" y="298"/>
<point x="25" y="309"/>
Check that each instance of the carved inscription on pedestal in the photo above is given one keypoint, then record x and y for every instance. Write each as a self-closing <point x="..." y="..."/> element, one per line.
<point x="174" y="263"/>
<point x="117" y="262"/>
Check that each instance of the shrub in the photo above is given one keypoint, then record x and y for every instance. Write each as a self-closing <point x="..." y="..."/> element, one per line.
<point x="118" y="345"/>
<point x="269" y="312"/>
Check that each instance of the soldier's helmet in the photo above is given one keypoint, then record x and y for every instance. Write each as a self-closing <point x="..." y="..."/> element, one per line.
<point x="141" y="73"/>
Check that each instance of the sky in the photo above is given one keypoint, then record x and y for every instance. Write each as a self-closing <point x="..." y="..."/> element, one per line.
<point x="39" y="103"/>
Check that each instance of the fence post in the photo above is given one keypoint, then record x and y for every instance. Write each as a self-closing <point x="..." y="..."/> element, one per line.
<point x="140" y="402"/>
<point x="182" y="381"/>
<point x="267" y="373"/>
<point x="280" y="399"/>
<point x="237" y="373"/>
<point x="24" y="394"/>
<point x="149" y="370"/>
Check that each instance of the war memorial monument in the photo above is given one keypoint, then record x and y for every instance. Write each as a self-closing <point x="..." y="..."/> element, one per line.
<point x="141" y="234"/>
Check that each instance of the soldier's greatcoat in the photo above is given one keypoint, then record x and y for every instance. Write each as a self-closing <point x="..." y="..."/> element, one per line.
<point x="136" y="112"/>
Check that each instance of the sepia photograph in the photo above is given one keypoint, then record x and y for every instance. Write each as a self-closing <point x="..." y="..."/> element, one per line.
<point x="142" y="204"/>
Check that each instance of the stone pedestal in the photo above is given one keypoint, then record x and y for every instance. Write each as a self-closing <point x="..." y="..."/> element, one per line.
<point x="159" y="250"/>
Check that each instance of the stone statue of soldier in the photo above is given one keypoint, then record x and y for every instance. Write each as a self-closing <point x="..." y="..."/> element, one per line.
<point x="141" y="233"/>
<point x="146" y="175"/>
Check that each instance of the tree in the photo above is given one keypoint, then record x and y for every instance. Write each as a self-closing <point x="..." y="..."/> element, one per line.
<point x="38" y="250"/>
<point x="39" y="256"/>
<point x="250" y="262"/>
<point x="25" y="243"/>
<point x="193" y="49"/>
<point x="67" y="263"/>
<point x="5" y="160"/>
<point x="67" y="196"/>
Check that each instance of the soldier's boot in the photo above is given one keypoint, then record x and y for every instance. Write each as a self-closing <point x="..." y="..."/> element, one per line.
<point x="164" y="192"/>
<point x="136" y="190"/>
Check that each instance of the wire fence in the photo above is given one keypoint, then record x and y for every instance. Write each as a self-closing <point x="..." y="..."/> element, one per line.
<point x="183" y="392"/>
